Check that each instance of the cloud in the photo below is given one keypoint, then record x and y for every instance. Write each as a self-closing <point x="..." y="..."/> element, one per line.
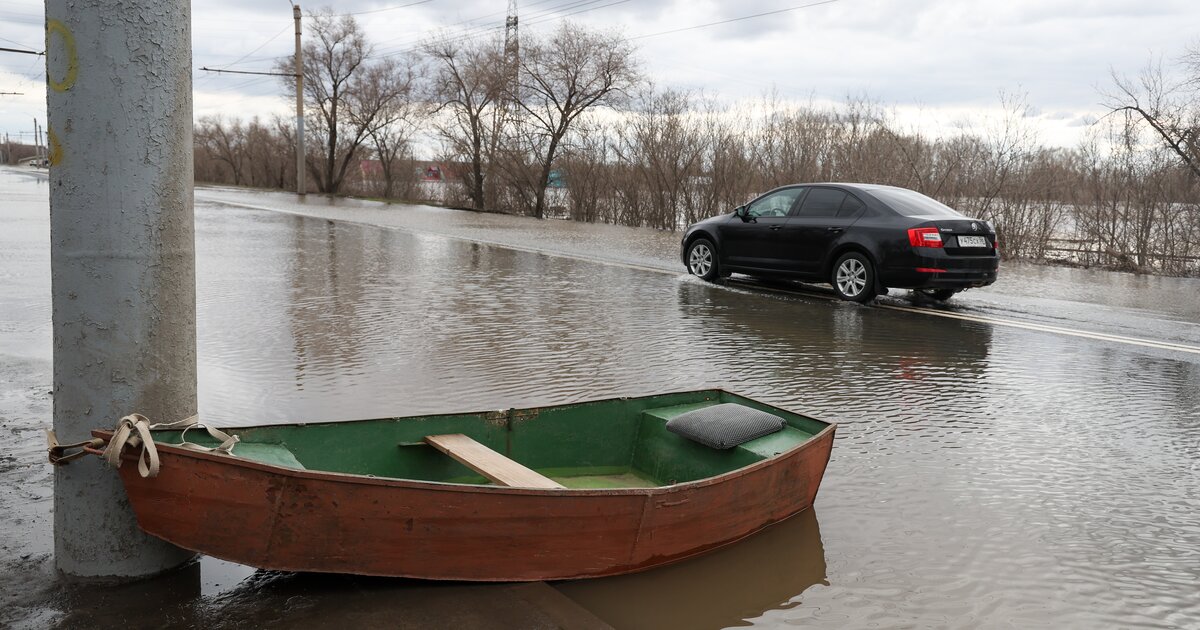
<point x="942" y="54"/>
<point x="1059" y="116"/>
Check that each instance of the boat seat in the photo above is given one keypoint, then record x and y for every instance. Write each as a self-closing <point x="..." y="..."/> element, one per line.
<point x="489" y="463"/>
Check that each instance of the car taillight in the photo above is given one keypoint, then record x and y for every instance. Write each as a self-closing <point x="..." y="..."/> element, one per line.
<point x="925" y="237"/>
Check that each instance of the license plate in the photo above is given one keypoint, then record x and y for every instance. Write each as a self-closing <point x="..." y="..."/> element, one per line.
<point x="972" y="241"/>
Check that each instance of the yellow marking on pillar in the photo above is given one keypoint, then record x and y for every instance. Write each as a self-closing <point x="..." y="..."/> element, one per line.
<point x="52" y="27"/>
<point x="56" y="150"/>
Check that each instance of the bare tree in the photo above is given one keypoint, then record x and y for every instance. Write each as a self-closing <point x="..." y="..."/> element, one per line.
<point x="385" y="105"/>
<point x="589" y="161"/>
<point x="336" y="57"/>
<point x="1169" y="106"/>
<point x="559" y="78"/>
<point x="224" y="141"/>
<point x="467" y="81"/>
<point x="664" y="144"/>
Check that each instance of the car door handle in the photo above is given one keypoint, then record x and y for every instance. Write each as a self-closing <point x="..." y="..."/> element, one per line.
<point x="776" y="227"/>
<point x="836" y="230"/>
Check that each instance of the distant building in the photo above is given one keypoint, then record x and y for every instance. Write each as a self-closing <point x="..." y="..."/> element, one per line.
<point x="370" y="169"/>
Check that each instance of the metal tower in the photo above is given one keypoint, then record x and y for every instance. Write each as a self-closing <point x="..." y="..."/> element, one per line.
<point x="512" y="44"/>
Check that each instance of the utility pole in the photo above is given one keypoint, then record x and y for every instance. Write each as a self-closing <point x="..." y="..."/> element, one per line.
<point x="301" y="187"/>
<point x="300" y="161"/>
<point x="122" y="257"/>
<point x="37" y="145"/>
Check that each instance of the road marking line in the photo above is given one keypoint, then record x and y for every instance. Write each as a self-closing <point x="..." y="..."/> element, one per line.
<point x="996" y="321"/>
<point x="1162" y="345"/>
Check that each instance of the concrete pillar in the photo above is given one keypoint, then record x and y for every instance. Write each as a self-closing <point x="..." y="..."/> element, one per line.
<point x="122" y="254"/>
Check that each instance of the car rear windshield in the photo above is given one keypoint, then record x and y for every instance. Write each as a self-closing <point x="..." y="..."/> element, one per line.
<point x="913" y="204"/>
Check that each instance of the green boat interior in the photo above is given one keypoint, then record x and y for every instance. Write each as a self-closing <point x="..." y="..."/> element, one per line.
<point x="620" y="443"/>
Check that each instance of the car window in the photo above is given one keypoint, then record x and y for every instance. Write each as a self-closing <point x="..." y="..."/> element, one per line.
<point x="911" y="203"/>
<point x="776" y="204"/>
<point x="822" y="202"/>
<point x="851" y="206"/>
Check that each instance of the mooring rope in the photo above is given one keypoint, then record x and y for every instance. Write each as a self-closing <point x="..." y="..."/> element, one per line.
<point x="134" y="430"/>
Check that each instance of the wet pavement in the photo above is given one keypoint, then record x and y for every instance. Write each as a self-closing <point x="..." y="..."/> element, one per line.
<point x="1029" y="461"/>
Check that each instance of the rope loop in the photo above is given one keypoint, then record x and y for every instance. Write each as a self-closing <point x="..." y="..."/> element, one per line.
<point x="134" y="430"/>
<point x="61" y="455"/>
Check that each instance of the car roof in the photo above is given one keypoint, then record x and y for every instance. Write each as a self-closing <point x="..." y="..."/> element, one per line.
<point x="848" y="185"/>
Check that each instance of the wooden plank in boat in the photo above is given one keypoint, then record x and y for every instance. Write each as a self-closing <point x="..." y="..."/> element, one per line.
<point x="489" y="463"/>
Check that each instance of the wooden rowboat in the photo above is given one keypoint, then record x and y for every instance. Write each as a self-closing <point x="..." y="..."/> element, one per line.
<point x="593" y="489"/>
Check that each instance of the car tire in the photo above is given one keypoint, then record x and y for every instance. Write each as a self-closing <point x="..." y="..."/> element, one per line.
<point x="702" y="259"/>
<point x="853" y="277"/>
<point x="941" y="295"/>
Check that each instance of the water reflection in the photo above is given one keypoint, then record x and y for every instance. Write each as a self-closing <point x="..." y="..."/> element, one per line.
<point x="767" y="571"/>
<point x="311" y="600"/>
<point x="837" y="342"/>
<point x="167" y="599"/>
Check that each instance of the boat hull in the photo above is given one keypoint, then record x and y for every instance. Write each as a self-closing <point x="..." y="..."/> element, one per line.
<point x="300" y="520"/>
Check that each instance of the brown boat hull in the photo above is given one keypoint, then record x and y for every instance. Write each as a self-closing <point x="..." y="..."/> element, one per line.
<point x="299" y="520"/>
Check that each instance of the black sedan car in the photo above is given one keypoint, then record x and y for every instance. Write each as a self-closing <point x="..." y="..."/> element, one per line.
<point x="860" y="238"/>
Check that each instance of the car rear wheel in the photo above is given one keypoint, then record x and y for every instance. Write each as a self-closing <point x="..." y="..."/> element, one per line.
<point x="702" y="259"/>
<point x="853" y="278"/>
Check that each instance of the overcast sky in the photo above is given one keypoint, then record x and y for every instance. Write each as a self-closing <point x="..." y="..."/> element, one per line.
<point x="938" y="63"/>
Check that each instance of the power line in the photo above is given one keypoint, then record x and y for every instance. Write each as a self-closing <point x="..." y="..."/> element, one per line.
<point x="269" y="74"/>
<point x="737" y="19"/>
<point x="542" y="17"/>
<point x="289" y="26"/>
<point x="585" y="10"/>
<point x="260" y="46"/>
<point x="26" y="52"/>
<point x="408" y="40"/>
<point x="482" y="29"/>
<point x="402" y="6"/>
<point x="15" y="42"/>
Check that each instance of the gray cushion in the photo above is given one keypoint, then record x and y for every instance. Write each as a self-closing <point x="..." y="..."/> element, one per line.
<point x="725" y="425"/>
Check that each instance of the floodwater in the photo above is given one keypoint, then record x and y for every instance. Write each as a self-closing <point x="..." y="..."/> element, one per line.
<point x="985" y="474"/>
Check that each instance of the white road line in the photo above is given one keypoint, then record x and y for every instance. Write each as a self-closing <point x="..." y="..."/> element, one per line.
<point x="1148" y="343"/>
<point x="995" y="321"/>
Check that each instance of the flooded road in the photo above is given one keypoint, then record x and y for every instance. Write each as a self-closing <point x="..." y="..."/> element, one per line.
<point x="984" y="474"/>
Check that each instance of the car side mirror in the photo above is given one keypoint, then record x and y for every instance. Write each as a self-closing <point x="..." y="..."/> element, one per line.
<point x="742" y="213"/>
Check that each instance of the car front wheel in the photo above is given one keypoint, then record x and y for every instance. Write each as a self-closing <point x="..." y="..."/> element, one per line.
<point x="702" y="259"/>
<point x="853" y="278"/>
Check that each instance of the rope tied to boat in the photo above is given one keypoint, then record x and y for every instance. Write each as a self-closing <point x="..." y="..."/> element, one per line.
<point x="134" y="431"/>
<point x="60" y="454"/>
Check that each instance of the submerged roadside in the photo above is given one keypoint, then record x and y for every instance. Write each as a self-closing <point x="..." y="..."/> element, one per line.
<point x="1091" y="300"/>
